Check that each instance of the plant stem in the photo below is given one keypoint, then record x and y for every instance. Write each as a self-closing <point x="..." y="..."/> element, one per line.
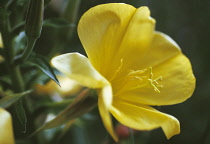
<point x="29" y="48"/>
<point x="70" y="14"/>
<point x="16" y="77"/>
<point x="6" y="37"/>
<point x="26" y="53"/>
<point x="132" y="141"/>
<point x="14" y="71"/>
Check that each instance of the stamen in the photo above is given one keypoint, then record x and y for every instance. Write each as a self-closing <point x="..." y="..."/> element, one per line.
<point x="135" y="78"/>
<point x="137" y="72"/>
<point x="154" y="83"/>
<point x="117" y="71"/>
<point x="137" y="75"/>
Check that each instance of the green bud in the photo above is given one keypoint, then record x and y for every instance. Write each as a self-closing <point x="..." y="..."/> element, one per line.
<point x="34" y="18"/>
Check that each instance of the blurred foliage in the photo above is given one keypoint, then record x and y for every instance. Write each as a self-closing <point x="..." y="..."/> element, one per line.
<point x="186" y="21"/>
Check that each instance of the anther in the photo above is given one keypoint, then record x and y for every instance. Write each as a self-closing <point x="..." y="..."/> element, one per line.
<point x="154" y="83"/>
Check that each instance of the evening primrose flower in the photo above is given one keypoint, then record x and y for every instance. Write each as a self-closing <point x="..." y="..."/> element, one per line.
<point x="6" y="131"/>
<point x="1" y="42"/>
<point x="133" y="67"/>
<point x="1" y="46"/>
<point x="68" y="87"/>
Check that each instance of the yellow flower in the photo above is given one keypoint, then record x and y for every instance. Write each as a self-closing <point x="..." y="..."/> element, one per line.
<point x="6" y="131"/>
<point x="133" y="66"/>
<point x="1" y="43"/>
<point x="1" y="46"/>
<point x="68" y="87"/>
<point x="1" y="59"/>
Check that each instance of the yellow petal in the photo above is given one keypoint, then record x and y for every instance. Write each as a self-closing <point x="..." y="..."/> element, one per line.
<point x="104" y="104"/>
<point x="167" y="61"/>
<point x="68" y="87"/>
<point x="136" y="42"/>
<point x="143" y="117"/>
<point x="178" y="84"/>
<point x="101" y="30"/>
<point x="1" y="59"/>
<point x="109" y="35"/>
<point x="6" y="130"/>
<point x="161" y="49"/>
<point x="1" y="42"/>
<point x="79" y="68"/>
<point x="138" y="36"/>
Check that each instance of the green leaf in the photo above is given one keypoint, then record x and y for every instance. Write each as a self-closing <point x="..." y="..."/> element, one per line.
<point x="5" y="3"/>
<point x="81" y="105"/>
<point x="3" y="14"/>
<point x="42" y="63"/>
<point x="52" y="106"/>
<point x="7" y="101"/>
<point x="20" y="112"/>
<point x="34" y="18"/>
<point x="17" y="29"/>
<point x="58" y="104"/>
<point x="20" y="2"/>
<point x="57" y="23"/>
<point x="20" y="42"/>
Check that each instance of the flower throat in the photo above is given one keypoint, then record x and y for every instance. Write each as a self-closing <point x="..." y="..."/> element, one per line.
<point x="143" y="78"/>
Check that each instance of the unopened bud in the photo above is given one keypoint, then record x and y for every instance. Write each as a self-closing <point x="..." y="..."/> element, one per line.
<point x="34" y="18"/>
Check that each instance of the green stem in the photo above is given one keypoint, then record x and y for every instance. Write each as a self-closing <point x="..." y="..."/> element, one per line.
<point x="70" y="14"/>
<point x="13" y="69"/>
<point x="29" y="48"/>
<point x="6" y="37"/>
<point x="132" y="141"/>
<point x="71" y="10"/>
<point x="17" y="80"/>
<point x="26" y="53"/>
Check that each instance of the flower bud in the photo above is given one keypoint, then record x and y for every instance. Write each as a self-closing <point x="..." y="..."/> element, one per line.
<point x="6" y="130"/>
<point x="34" y="18"/>
<point x="68" y="87"/>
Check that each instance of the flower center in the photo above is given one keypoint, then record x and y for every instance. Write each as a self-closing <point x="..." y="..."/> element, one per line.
<point x="137" y="79"/>
<point x="143" y="78"/>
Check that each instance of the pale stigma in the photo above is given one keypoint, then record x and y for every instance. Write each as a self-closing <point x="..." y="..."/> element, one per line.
<point x="117" y="71"/>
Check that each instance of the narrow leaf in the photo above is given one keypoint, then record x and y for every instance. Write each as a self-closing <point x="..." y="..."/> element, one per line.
<point x="20" y="112"/>
<point x="81" y="105"/>
<point x="42" y="63"/>
<point x="3" y="14"/>
<point x="7" y="101"/>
